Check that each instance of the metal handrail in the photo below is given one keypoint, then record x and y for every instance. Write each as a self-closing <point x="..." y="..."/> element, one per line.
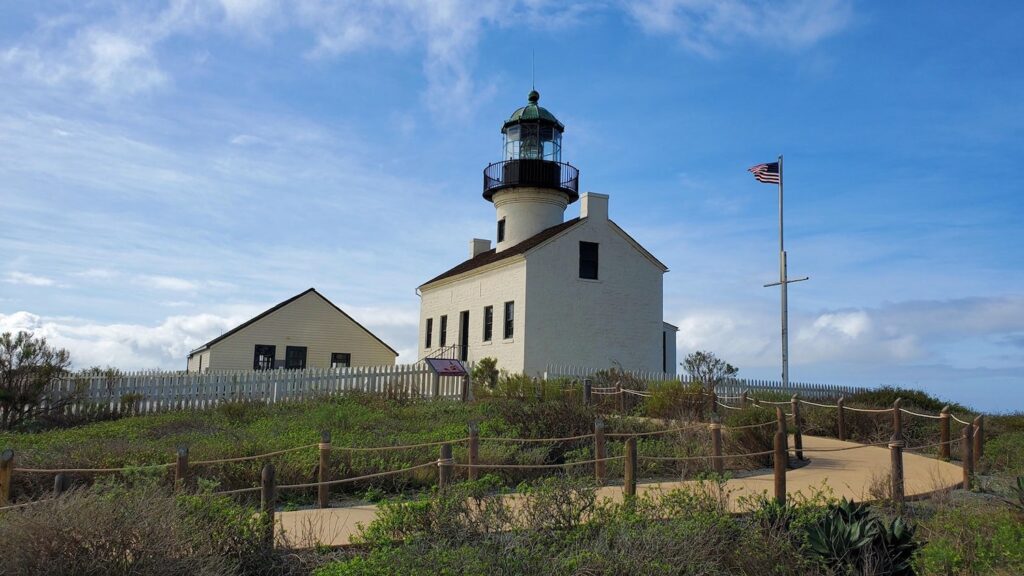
<point x="541" y="173"/>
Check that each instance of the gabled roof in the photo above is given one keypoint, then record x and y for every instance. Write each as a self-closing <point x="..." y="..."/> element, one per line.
<point x="259" y="317"/>
<point x="492" y="255"/>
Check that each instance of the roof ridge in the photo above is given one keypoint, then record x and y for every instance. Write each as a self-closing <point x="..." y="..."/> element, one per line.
<point x="492" y="256"/>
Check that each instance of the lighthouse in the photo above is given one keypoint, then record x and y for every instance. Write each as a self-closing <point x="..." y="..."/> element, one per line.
<point x="551" y="291"/>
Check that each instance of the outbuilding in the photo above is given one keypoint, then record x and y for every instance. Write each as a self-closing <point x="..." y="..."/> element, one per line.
<point x="305" y="331"/>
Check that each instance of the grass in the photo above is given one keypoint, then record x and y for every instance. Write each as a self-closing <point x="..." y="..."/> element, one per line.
<point x="560" y="529"/>
<point x="234" y="430"/>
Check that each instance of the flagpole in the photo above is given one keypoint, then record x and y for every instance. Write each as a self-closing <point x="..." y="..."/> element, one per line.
<point x="784" y="284"/>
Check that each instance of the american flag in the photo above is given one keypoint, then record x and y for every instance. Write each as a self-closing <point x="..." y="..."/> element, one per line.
<point x="766" y="173"/>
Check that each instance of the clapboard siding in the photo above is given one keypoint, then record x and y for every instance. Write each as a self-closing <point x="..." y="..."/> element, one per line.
<point x="310" y="321"/>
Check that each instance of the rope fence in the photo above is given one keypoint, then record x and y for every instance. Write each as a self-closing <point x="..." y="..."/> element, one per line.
<point x="972" y="440"/>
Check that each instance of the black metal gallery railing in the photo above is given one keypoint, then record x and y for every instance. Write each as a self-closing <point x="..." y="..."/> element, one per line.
<point x="539" y="173"/>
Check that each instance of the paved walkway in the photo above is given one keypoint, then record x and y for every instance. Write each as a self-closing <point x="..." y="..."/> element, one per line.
<point x="848" y="473"/>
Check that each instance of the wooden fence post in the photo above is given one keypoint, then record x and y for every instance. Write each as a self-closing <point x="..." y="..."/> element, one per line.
<point x="181" y="468"/>
<point x="896" y="470"/>
<point x="599" y="451"/>
<point x="896" y="445"/>
<point x="841" y="417"/>
<point x="629" y="478"/>
<point x="268" y="502"/>
<point x="323" y="491"/>
<point x="444" y="467"/>
<point x="944" y="433"/>
<point x="716" y="444"/>
<point x="897" y="418"/>
<point x="435" y="384"/>
<point x="714" y="404"/>
<point x="588" y="397"/>
<point x="743" y="399"/>
<point x="6" y="471"/>
<point x="621" y="397"/>
<point x="474" y="449"/>
<point x="979" y="439"/>
<point x="798" y="441"/>
<point x="780" y="417"/>
<point x="779" y="461"/>
<point x="967" y="444"/>
<point x="60" y="484"/>
<point x="465" y="388"/>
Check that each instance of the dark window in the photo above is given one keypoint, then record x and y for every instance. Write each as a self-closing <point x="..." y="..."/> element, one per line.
<point x="501" y="230"/>
<point x="263" y="357"/>
<point x="588" y="260"/>
<point x="464" y="335"/>
<point x="664" y="351"/>
<point x="510" y="310"/>
<point x="430" y="333"/>
<point x="488" y="322"/>
<point x="444" y="330"/>
<point x="295" y="357"/>
<point x="341" y="359"/>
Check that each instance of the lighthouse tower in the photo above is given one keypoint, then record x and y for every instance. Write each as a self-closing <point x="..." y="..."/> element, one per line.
<point x="531" y="186"/>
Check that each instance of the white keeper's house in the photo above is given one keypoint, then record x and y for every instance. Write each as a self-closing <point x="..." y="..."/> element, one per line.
<point x="550" y="291"/>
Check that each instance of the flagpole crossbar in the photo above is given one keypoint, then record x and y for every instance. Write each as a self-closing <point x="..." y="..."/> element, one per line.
<point x="787" y="281"/>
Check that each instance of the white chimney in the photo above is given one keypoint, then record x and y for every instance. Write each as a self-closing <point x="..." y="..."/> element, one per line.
<point x="478" y="246"/>
<point x="594" y="206"/>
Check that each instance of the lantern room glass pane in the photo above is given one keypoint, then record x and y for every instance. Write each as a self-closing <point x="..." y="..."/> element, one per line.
<point x="533" y="142"/>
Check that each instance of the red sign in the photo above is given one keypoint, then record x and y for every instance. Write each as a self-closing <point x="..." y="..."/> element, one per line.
<point x="447" y="366"/>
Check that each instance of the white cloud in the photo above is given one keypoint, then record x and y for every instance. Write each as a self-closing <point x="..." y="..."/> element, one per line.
<point x="167" y="283"/>
<point x="166" y="345"/>
<point x="125" y="346"/>
<point x="96" y="274"/>
<point x="707" y="26"/>
<point x="902" y="333"/>
<point x="117" y="54"/>
<point x="27" y="279"/>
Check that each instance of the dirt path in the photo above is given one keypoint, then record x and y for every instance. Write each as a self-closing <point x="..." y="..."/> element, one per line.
<point x="848" y="473"/>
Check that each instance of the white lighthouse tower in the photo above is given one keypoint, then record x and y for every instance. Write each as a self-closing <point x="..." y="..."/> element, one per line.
<point x="531" y="187"/>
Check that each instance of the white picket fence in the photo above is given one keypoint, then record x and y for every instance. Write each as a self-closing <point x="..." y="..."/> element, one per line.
<point x="734" y="387"/>
<point x="148" y="392"/>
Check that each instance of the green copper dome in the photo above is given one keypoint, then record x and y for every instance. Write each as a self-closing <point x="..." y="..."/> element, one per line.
<point x="533" y="113"/>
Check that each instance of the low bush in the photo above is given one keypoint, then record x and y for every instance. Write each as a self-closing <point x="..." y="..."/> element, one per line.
<point x="676" y="401"/>
<point x="140" y="530"/>
<point x="687" y="531"/>
<point x="1004" y="454"/>
<point x="972" y="538"/>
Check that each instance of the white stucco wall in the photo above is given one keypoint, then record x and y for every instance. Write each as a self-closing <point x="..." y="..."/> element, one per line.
<point x="484" y="287"/>
<point x="527" y="212"/>
<point x="616" y="318"/>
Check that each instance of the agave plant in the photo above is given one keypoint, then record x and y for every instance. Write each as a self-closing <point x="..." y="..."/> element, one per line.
<point x="840" y="537"/>
<point x="849" y="538"/>
<point x="1016" y="498"/>
<point x="897" y="546"/>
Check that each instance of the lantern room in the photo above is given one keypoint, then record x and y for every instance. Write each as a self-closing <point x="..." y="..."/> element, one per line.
<point x="533" y="133"/>
<point x="532" y="154"/>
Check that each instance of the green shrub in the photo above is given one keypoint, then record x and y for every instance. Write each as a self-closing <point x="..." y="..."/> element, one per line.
<point x="141" y="531"/>
<point x="972" y="539"/>
<point x="677" y="401"/>
<point x="1004" y="454"/>
<point x="486" y="372"/>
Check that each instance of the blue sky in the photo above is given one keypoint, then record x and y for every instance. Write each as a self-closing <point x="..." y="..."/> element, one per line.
<point x="168" y="169"/>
